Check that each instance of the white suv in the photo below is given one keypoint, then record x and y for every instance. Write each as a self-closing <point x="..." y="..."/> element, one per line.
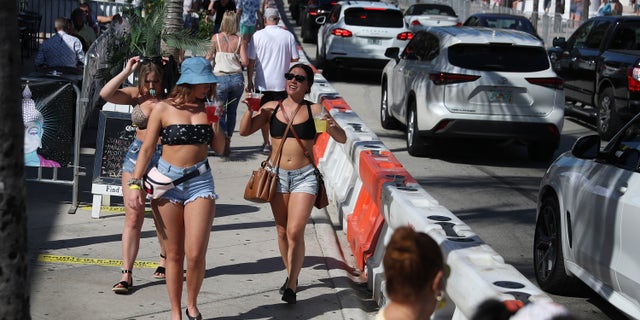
<point x="357" y="33"/>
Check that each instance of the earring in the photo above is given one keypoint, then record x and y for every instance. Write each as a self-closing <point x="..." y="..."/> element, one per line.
<point x="441" y="300"/>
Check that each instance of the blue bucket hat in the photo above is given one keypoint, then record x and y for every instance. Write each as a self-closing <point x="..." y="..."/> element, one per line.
<point x="196" y="70"/>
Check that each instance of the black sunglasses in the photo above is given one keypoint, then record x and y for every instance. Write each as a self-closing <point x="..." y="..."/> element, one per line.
<point x="154" y="60"/>
<point x="290" y="76"/>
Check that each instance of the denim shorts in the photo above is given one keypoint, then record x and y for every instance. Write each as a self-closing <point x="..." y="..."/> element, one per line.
<point x="131" y="157"/>
<point x="298" y="180"/>
<point x="197" y="187"/>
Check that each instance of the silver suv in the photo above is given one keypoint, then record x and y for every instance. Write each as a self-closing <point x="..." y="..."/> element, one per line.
<point x="356" y="34"/>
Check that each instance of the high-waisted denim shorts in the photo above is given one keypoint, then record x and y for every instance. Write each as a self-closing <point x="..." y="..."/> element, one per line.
<point x="200" y="186"/>
<point x="131" y="157"/>
<point x="298" y="180"/>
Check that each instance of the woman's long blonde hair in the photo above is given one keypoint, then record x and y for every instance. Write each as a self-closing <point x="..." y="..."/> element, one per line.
<point x="229" y="24"/>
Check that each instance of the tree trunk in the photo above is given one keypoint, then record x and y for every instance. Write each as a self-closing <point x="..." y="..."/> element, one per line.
<point x="534" y="15"/>
<point x="14" y="280"/>
<point x="173" y="23"/>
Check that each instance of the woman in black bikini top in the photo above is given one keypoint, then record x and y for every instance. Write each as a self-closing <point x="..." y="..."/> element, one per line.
<point x="297" y="183"/>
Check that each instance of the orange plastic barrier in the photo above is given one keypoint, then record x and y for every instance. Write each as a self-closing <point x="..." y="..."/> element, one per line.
<point x="379" y="167"/>
<point x="333" y="102"/>
<point x="364" y="227"/>
<point x="320" y="146"/>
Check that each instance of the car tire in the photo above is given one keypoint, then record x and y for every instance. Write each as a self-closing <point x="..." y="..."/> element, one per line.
<point x="319" y="58"/>
<point x="386" y="120"/>
<point x="548" y="259"/>
<point x="542" y="151"/>
<point x="305" y="32"/>
<point x="330" y="70"/>
<point x="416" y="144"/>
<point x="608" y="118"/>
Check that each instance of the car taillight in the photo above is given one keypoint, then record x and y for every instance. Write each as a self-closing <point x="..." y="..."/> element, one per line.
<point x="415" y="23"/>
<point x="405" y="36"/>
<point x="553" y="83"/>
<point x="633" y="78"/>
<point x="341" y="32"/>
<point x="313" y="12"/>
<point x="449" y="78"/>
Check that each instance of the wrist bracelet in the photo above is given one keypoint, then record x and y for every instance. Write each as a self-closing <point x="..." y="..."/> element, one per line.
<point x="134" y="182"/>
<point x="135" y="187"/>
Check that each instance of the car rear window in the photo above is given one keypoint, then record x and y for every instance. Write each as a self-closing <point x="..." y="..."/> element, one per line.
<point x="374" y="17"/>
<point x="499" y="57"/>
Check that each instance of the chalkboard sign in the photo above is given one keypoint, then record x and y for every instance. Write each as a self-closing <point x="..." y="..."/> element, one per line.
<point x="115" y="134"/>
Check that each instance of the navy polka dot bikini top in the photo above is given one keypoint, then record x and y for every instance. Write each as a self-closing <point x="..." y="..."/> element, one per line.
<point x="179" y="134"/>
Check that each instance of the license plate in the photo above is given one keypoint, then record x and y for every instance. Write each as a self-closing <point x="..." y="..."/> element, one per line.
<point x="499" y="96"/>
<point x="373" y="41"/>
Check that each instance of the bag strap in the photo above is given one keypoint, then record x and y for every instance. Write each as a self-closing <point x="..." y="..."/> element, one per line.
<point x="295" y="134"/>
<point x="289" y="123"/>
<point x="201" y="169"/>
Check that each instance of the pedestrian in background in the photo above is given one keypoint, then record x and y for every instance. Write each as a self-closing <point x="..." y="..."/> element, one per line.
<point x="218" y="8"/>
<point x="271" y="52"/>
<point x="247" y="11"/>
<point x="187" y="210"/>
<point x="415" y="276"/>
<point x="143" y="98"/>
<point x="230" y="55"/>
<point x="297" y="185"/>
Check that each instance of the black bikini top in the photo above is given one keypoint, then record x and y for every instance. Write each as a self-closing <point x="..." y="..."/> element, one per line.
<point x="305" y="130"/>
<point x="180" y="134"/>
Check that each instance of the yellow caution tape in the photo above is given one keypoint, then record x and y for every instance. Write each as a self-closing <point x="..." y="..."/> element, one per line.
<point x="94" y="261"/>
<point x="110" y="209"/>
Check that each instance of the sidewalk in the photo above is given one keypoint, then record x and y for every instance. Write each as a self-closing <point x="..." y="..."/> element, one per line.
<point x="75" y="259"/>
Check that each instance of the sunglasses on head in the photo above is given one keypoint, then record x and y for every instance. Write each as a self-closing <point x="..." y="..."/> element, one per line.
<point x="290" y="76"/>
<point x="154" y="60"/>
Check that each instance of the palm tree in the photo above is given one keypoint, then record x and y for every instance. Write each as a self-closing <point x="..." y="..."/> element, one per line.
<point x="13" y="236"/>
<point x="173" y="23"/>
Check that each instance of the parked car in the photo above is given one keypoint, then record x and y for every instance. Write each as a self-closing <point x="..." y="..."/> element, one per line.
<point x="356" y="34"/>
<point x="463" y="82"/>
<point x="501" y="21"/>
<point x="600" y="64"/>
<point x="308" y="14"/>
<point x="587" y="220"/>
<point x="430" y="14"/>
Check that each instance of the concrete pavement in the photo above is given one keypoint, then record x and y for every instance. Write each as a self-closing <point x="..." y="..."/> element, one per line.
<point x="75" y="258"/>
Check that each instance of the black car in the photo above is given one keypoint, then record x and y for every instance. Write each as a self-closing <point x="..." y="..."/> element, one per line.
<point x="307" y="18"/>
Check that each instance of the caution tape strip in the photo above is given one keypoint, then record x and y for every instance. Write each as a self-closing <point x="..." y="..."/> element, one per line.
<point x="50" y="258"/>
<point x="111" y="209"/>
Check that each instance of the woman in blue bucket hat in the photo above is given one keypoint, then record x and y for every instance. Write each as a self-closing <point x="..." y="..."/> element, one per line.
<point x="187" y="209"/>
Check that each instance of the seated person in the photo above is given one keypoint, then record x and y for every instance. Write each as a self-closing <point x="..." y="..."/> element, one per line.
<point x="81" y="29"/>
<point x="61" y="50"/>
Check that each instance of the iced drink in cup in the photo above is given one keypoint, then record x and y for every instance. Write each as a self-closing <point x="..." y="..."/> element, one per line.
<point x="213" y="111"/>
<point x="320" y="122"/>
<point x="253" y="101"/>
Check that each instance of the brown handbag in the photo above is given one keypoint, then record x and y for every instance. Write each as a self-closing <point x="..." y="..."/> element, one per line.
<point x="262" y="183"/>
<point x="322" y="200"/>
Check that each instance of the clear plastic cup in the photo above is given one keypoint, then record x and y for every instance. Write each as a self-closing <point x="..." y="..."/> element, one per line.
<point x="213" y="111"/>
<point x="320" y="122"/>
<point x="253" y="101"/>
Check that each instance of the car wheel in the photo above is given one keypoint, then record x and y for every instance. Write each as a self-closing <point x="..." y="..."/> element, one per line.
<point x="319" y="58"/>
<point x="305" y="32"/>
<point x="541" y="151"/>
<point x="386" y="120"/>
<point x="608" y="119"/>
<point x="548" y="259"/>
<point x="329" y="71"/>
<point x="416" y="145"/>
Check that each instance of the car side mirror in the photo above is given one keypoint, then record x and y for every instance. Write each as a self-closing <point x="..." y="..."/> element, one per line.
<point x="392" y="53"/>
<point x="321" y="19"/>
<point x="587" y="147"/>
<point x="559" y="42"/>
